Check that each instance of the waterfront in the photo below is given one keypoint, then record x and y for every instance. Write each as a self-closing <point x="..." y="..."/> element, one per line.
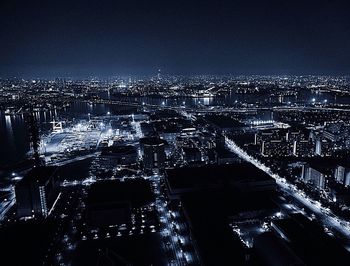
<point x="14" y="135"/>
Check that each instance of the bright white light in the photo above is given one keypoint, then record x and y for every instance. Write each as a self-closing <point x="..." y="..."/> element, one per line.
<point x="108" y="113"/>
<point x="313" y="99"/>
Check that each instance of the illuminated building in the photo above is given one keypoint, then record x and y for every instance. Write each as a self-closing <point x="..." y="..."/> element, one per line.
<point x="342" y="175"/>
<point x="315" y="175"/>
<point x="153" y="153"/>
<point x="323" y="147"/>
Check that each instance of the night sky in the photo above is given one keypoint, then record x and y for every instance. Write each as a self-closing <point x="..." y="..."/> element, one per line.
<point x="102" y="38"/>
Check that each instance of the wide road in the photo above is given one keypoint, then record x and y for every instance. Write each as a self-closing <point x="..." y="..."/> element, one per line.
<point x="5" y="206"/>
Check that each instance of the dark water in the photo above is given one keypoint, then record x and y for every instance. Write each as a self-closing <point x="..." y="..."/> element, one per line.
<point x="14" y="135"/>
<point x="13" y="138"/>
<point x="14" y="131"/>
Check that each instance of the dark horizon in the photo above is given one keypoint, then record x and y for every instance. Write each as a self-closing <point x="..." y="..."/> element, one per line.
<point x="106" y="38"/>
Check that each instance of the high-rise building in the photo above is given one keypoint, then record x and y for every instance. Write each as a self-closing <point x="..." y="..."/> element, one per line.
<point x="315" y="175"/>
<point x="342" y="175"/>
<point x="153" y="153"/>
<point x="37" y="192"/>
<point x="323" y="147"/>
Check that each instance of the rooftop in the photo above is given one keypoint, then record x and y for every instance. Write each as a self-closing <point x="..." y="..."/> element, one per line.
<point x="152" y="141"/>
<point x="117" y="150"/>
<point x="310" y="242"/>
<point x="39" y="174"/>
<point x="215" y="175"/>
<point x="137" y="191"/>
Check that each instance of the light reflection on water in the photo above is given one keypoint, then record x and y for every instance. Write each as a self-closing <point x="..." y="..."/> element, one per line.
<point x="9" y="132"/>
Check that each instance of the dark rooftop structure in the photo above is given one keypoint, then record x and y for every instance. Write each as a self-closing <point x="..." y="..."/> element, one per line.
<point x="132" y="250"/>
<point x="191" y="154"/>
<point x="152" y="141"/>
<point x="214" y="196"/>
<point x="26" y="243"/>
<point x="38" y="174"/>
<point x="137" y="191"/>
<point x="147" y="128"/>
<point x="209" y="214"/>
<point x="273" y="251"/>
<point x="242" y="177"/>
<point x="224" y="122"/>
<point x="111" y="202"/>
<point x="118" y="150"/>
<point x="309" y="241"/>
<point x="226" y="156"/>
<point x="209" y="226"/>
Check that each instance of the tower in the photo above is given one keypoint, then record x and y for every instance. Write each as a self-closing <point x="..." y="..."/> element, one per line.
<point x="159" y="75"/>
